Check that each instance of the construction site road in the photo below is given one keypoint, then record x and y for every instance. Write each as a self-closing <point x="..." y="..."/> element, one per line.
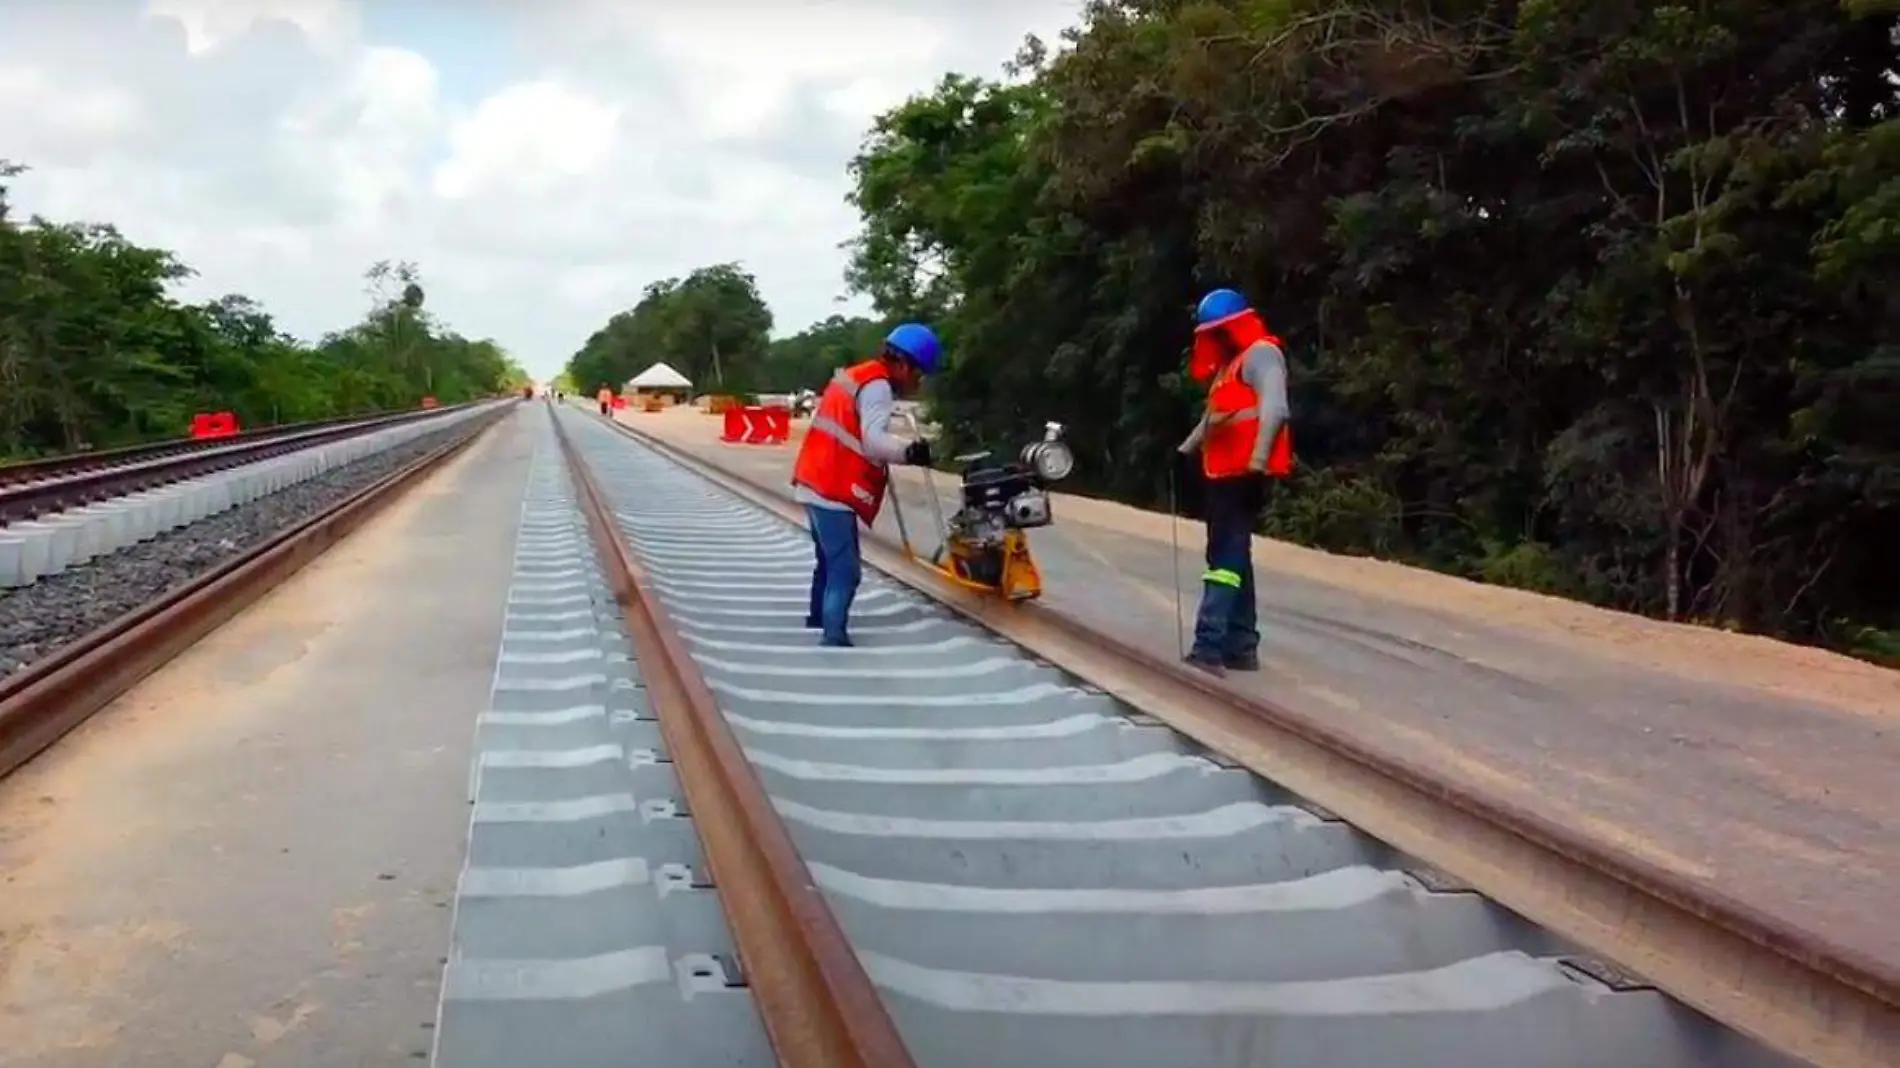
<point x="1762" y="768"/>
<point x="250" y="858"/>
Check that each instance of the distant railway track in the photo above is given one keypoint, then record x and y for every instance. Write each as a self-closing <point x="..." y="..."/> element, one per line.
<point x="1053" y="849"/>
<point x="48" y="698"/>
<point x="32" y="488"/>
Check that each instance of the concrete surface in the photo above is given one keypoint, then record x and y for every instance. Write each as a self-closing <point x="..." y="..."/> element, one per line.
<point x="48" y="545"/>
<point x="250" y="859"/>
<point x="1791" y="805"/>
<point x="1033" y="876"/>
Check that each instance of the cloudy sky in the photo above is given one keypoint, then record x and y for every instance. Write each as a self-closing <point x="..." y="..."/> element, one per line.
<point x="540" y="161"/>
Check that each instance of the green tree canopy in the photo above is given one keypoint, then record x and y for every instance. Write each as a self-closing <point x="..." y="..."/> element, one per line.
<point x="95" y="352"/>
<point x="711" y="326"/>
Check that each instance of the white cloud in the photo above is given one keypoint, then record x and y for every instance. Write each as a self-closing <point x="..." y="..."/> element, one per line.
<point x="212" y="24"/>
<point x="541" y="162"/>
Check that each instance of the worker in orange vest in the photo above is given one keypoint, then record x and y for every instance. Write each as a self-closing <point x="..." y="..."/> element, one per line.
<point x="842" y="466"/>
<point x="606" y="399"/>
<point x="1244" y="438"/>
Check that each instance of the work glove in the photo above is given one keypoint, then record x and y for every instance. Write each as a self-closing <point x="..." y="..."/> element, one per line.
<point x="917" y="453"/>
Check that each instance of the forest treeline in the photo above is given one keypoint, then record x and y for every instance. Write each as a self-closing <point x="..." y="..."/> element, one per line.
<point x="95" y="352"/>
<point x="1593" y="297"/>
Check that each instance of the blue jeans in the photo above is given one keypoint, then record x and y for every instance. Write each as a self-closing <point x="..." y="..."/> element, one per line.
<point x="1227" y="628"/>
<point x="834" y="578"/>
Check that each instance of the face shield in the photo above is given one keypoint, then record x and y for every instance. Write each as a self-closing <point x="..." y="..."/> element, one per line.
<point x="1206" y="356"/>
<point x="1219" y="341"/>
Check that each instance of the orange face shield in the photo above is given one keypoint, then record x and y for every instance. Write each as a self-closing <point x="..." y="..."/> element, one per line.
<point x="1212" y="342"/>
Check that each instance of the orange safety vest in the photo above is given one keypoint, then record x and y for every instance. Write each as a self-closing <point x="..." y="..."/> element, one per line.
<point x="1233" y="425"/>
<point x="832" y="461"/>
<point x="605" y="396"/>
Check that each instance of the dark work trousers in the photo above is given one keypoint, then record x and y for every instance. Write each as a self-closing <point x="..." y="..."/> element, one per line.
<point x="835" y="575"/>
<point x="1227" y="629"/>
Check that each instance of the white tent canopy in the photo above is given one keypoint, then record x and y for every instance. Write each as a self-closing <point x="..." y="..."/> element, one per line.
<point x="659" y="376"/>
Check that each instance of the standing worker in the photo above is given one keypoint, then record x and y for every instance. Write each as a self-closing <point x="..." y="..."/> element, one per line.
<point x="1244" y="438"/>
<point x="843" y="463"/>
<point x="606" y="399"/>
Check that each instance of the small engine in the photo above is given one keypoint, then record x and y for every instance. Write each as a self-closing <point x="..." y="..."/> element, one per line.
<point x="1011" y="495"/>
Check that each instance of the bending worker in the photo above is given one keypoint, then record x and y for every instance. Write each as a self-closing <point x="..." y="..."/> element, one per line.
<point x="1244" y="438"/>
<point x="842" y="468"/>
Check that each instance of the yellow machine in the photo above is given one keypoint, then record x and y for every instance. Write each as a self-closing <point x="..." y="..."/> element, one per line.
<point x="983" y="546"/>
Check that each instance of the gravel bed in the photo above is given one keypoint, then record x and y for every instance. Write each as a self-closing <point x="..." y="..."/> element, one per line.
<point x="38" y="619"/>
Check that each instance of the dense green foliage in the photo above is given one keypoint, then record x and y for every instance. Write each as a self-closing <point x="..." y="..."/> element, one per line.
<point x="1590" y="296"/>
<point x="94" y="352"/>
<point x="806" y="359"/>
<point x="711" y="326"/>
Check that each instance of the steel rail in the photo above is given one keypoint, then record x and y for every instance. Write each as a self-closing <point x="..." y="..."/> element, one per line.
<point x="34" y="488"/>
<point x="818" y="1006"/>
<point x="1793" y="990"/>
<point x="50" y="697"/>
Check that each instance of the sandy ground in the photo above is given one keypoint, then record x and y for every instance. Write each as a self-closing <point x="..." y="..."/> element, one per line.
<point x="1758" y="766"/>
<point x="249" y="859"/>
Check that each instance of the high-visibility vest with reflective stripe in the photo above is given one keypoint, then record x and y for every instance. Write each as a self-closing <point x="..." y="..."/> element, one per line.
<point x="833" y="461"/>
<point x="1233" y="425"/>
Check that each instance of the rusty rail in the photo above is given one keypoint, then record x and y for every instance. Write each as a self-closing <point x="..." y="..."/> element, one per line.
<point x="41" y="704"/>
<point x="37" y="487"/>
<point x="818" y="1005"/>
<point x="1810" y="997"/>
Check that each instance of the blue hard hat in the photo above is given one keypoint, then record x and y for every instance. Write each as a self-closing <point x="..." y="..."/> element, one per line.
<point x="919" y="343"/>
<point x="1218" y="305"/>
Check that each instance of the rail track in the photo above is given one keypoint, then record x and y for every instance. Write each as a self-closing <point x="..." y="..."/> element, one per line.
<point x="33" y="488"/>
<point x="42" y="702"/>
<point x="988" y="838"/>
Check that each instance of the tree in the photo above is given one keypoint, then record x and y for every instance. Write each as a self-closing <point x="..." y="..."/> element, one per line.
<point x="807" y="359"/>
<point x="711" y="326"/>
<point x="94" y="351"/>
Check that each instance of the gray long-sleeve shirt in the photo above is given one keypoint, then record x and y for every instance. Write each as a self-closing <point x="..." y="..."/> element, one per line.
<point x="1263" y="367"/>
<point x="876" y="403"/>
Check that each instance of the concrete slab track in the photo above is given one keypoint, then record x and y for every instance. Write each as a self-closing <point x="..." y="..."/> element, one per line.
<point x="1033" y="875"/>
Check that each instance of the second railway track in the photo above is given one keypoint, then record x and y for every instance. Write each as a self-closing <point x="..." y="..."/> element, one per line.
<point x="33" y="488"/>
<point x="978" y="859"/>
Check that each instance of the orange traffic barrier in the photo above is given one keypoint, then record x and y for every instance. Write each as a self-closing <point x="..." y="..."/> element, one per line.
<point x="213" y="425"/>
<point x="753" y="425"/>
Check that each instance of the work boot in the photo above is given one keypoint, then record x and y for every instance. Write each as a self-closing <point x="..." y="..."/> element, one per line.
<point x="835" y="643"/>
<point x="1207" y="665"/>
<point x="1242" y="662"/>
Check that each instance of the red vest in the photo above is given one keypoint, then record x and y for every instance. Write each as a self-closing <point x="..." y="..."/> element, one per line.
<point x="1233" y="425"/>
<point x="832" y="461"/>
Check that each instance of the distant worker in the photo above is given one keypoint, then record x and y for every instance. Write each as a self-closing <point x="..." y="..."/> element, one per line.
<point x="1244" y="437"/>
<point x="842" y="467"/>
<point x="606" y="399"/>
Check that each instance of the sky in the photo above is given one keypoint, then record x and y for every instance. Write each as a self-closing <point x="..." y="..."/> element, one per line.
<point x="540" y="162"/>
